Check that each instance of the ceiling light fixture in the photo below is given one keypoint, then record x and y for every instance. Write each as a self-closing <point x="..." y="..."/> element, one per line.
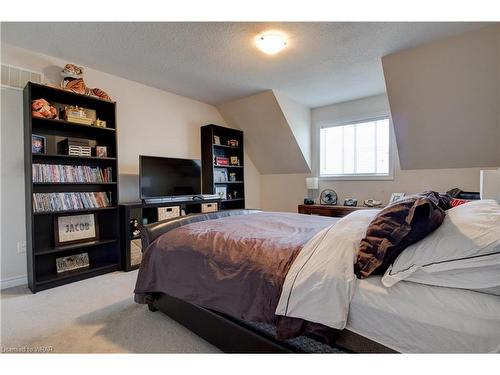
<point x="270" y="42"/>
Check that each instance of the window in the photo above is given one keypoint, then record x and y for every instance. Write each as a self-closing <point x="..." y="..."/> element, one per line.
<point x="356" y="150"/>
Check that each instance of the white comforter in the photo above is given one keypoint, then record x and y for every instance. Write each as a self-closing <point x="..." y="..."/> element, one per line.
<point x="321" y="281"/>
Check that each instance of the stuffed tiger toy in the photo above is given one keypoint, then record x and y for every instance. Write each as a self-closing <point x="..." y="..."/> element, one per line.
<point x="73" y="81"/>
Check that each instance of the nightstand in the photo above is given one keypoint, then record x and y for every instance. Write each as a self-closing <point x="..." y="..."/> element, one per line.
<point x="327" y="210"/>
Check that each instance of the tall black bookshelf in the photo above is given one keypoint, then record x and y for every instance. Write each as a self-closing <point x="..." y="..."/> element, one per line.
<point x="221" y="142"/>
<point x="42" y="248"/>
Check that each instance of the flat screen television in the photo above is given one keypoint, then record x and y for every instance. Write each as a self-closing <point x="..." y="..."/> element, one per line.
<point x="168" y="177"/>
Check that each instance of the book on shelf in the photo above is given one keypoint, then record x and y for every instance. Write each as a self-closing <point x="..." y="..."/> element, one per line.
<point x="48" y="202"/>
<point x="71" y="173"/>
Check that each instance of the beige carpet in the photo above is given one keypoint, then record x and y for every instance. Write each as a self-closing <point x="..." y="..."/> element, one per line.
<point x="92" y="316"/>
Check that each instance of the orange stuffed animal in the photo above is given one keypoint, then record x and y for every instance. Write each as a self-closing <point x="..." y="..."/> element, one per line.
<point x="42" y="108"/>
<point x="73" y="81"/>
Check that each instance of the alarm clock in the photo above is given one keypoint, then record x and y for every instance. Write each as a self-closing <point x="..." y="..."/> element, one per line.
<point x="351" y="202"/>
<point x="308" y="201"/>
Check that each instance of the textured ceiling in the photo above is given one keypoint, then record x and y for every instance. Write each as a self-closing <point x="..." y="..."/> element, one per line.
<point x="217" y="62"/>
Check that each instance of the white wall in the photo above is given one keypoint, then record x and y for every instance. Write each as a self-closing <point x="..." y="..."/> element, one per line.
<point x="150" y="121"/>
<point x="284" y="192"/>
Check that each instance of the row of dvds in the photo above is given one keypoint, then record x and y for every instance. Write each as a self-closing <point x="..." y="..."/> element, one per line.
<point x="47" y="202"/>
<point x="70" y="173"/>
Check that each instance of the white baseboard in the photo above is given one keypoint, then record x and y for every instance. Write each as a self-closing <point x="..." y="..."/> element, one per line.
<point x="13" y="281"/>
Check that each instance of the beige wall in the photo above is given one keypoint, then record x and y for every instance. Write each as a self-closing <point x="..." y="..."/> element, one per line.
<point x="269" y="138"/>
<point x="284" y="192"/>
<point x="150" y="121"/>
<point x="12" y="262"/>
<point x="298" y="117"/>
<point x="445" y="96"/>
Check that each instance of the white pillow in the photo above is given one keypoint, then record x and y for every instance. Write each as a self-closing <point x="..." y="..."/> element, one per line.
<point x="464" y="252"/>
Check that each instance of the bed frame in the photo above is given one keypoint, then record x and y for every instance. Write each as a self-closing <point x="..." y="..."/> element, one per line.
<point x="227" y="333"/>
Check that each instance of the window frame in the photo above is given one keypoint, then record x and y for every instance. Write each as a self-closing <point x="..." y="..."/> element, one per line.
<point x="358" y="176"/>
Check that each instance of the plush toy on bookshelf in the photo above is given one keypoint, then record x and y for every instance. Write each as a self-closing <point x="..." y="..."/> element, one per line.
<point x="73" y="81"/>
<point x="43" y="109"/>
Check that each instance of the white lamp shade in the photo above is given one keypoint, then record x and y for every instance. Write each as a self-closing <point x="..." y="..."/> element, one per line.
<point x="312" y="183"/>
<point x="490" y="184"/>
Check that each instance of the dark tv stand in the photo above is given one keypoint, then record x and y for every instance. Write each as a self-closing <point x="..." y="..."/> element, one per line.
<point x="166" y="200"/>
<point x="149" y="211"/>
<point x="181" y="199"/>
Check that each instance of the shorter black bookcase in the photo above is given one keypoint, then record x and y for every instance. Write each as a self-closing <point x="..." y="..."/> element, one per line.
<point x="222" y="163"/>
<point x="131" y="248"/>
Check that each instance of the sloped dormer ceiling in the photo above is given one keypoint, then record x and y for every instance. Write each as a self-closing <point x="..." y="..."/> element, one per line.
<point x="445" y="103"/>
<point x="277" y="131"/>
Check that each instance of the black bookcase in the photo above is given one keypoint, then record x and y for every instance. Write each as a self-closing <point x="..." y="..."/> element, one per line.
<point x="218" y="141"/>
<point x="42" y="248"/>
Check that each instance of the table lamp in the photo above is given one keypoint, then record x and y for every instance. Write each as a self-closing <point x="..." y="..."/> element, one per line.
<point x="312" y="183"/>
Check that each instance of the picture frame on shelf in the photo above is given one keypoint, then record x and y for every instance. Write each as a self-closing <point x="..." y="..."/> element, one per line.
<point x="101" y="151"/>
<point x="217" y="140"/>
<point x="72" y="263"/>
<point x="221" y="191"/>
<point x="234" y="160"/>
<point x="38" y="144"/>
<point x="70" y="229"/>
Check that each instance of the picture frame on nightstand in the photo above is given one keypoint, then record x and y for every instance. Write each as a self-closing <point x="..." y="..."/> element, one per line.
<point x="395" y="197"/>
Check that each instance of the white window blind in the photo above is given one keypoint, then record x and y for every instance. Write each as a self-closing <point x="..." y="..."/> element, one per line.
<point x="358" y="149"/>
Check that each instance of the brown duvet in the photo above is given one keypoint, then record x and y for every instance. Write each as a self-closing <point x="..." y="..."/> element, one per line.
<point x="233" y="265"/>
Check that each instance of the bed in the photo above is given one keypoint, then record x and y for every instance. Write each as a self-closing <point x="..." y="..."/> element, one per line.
<point x="414" y="318"/>
<point x="224" y="276"/>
